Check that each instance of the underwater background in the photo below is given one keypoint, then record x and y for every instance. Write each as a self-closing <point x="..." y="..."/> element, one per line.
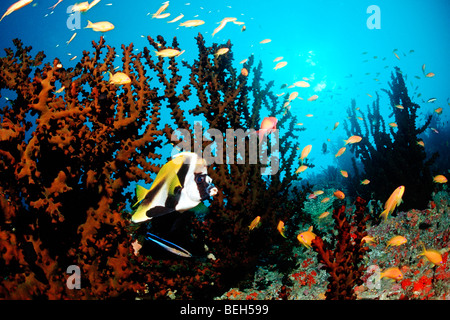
<point x="73" y="147"/>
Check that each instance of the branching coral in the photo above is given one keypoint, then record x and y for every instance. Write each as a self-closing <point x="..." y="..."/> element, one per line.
<point x="394" y="158"/>
<point x="344" y="262"/>
<point x="67" y="159"/>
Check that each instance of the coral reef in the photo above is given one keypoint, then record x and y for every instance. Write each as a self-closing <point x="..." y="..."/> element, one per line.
<point x="309" y="280"/>
<point x="394" y="158"/>
<point x="71" y="146"/>
<point x="344" y="262"/>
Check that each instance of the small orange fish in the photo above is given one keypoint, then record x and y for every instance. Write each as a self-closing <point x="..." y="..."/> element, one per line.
<point x="161" y="9"/>
<point x="102" y="26"/>
<point x="324" y="215"/>
<point x="396" y="55"/>
<point x="255" y="223"/>
<point x="353" y="139"/>
<point x="244" y="72"/>
<point x="434" y="256"/>
<point x="306" y="237"/>
<point x="119" y="78"/>
<point x="301" y="169"/>
<point x="365" y="182"/>
<point x="335" y="125"/>
<point x="339" y="194"/>
<point x="265" y="41"/>
<point x="280" y="228"/>
<point x="340" y="152"/>
<point x="293" y="95"/>
<point x="393" y="201"/>
<point x="168" y="53"/>
<point x="221" y="51"/>
<point x="368" y="239"/>
<point x="192" y="23"/>
<point x="430" y="75"/>
<point x="16" y="6"/>
<point x="421" y="143"/>
<point x="393" y="125"/>
<point x="392" y="273"/>
<point x="440" y="179"/>
<point x="344" y="173"/>
<point x="396" y="241"/>
<point x="325" y="200"/>
<point x="268" y="125"/>
<point x="306" y="150"/>
<point x="438" y="110"/>
<point x="301" y="84"/>
<point x="280" y="65"/>
<point x="399" y="106"/>
<point x="313" y="97"/>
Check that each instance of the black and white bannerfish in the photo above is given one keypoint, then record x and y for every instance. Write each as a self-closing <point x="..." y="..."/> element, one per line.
<point x="180" y="185"/>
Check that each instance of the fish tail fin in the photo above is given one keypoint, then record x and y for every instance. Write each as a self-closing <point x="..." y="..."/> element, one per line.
<point x="423" y="246"/>
<point x="385" y="214"/>
<point x="141" y="192"/>
<point x="89" y="25"/>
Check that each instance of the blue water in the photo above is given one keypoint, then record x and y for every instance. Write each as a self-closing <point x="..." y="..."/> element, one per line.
<point x="322" y="40"/>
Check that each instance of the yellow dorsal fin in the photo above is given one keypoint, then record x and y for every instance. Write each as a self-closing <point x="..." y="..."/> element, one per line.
<point x="310" y="228"/>
<point x="141" y="192"/>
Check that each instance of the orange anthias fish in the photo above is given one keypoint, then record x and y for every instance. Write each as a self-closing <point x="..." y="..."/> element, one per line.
<point x="280" y="65"/>
<point x="365" y="182"/>
<point x="340" y="152"/>
<point x="305" y="152"/>
<point x="192" y="23"/>
<point x="306" y="237"/>
<point x="268" y="125"/>
<point x="168" y="53"/>
<point x="119" y="78"/>
<point x="301" y="169"/>
<point x="434" y="256"/>
<point x="396" y="241"/>
<point x="255" y="223"/>
<point x="339" y="194"/>
<point x="324" y="215"/>
<point x="161" y="9"/>
<point x="392" y="273"/>
<point x="16" y="6"/>
<point x="353" y="139"/>
<point x="440" y="179"/>
<point x="102" y="26"/>
<point x="344" y="173"/>
<point x="280" y="228"/>
<point x="368" y="239"/>
<point x="394" y="201"/>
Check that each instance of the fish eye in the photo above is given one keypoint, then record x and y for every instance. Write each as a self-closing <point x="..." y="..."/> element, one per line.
<point x="200" y="179"/>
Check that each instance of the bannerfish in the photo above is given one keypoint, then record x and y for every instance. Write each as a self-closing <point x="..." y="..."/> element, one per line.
<point x="180" y="185"/>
